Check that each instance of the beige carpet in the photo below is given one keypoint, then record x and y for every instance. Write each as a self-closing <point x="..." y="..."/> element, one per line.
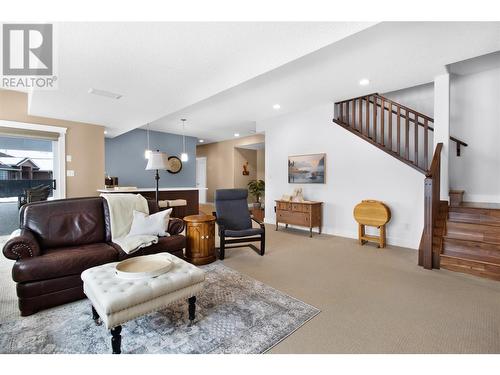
<point x="371" y="300"/>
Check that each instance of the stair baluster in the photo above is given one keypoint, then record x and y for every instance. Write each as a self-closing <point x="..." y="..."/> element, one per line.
<point x="367" y="125"/>
<point x="415" y="126"/>
<point x="426" y="142"/>
<point x="360" y="114"/>
<point x="407" y="136"/>
<point x="398" y="125"/>
<point x="382" y="122"/>
<point x="390" y="126"/>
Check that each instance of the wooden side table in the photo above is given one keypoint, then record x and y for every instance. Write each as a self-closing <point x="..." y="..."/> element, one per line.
<point x="375" y="214"/>
<point x="200" y="239"/>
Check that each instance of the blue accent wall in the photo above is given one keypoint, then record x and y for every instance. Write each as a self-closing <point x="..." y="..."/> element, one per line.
<point x="125" y="159"/>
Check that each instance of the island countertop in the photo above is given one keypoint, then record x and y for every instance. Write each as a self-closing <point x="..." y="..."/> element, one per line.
<point x="190" y="194"/>
<point x="141" y="190"/>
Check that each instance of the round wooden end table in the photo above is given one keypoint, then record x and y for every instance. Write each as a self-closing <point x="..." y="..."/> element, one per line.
<point x="200" y="239"/>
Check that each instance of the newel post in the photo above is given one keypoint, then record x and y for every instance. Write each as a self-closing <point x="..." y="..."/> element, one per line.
<point x="425" y="258"/>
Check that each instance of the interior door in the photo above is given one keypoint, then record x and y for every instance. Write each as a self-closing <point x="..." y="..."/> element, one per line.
<point x="201" y="178"/>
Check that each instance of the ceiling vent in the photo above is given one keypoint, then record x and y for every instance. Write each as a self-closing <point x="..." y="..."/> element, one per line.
<point x="107" y="94"/>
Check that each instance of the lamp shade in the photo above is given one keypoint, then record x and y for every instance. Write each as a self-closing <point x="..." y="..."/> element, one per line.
<point x="157" y="160"/>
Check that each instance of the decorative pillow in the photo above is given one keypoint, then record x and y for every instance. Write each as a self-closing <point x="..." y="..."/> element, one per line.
<point x="150" y="225"/>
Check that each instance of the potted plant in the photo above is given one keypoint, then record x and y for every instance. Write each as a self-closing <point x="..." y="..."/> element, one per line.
<point x="257" y="188"/>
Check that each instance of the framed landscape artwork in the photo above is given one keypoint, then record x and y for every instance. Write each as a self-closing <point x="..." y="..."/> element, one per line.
<point x="306" y="169"/>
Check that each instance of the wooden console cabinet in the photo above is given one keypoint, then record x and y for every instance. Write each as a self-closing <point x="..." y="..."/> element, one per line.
<point x="306" y="214"/>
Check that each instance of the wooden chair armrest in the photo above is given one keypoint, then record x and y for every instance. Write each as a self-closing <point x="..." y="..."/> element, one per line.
<point x="261" y="224"/>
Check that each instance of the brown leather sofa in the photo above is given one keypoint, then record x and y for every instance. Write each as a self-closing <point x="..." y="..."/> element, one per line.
<point x="60" y="239"/>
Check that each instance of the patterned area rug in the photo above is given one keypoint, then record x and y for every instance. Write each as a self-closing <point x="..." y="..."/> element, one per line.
<point x="235" y="314"/>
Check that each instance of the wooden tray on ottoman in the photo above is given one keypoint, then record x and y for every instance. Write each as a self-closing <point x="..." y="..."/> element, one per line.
<point x="144" y="266"/>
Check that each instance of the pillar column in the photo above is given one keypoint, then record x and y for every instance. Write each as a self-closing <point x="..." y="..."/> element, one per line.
<point x="442" y="127"/>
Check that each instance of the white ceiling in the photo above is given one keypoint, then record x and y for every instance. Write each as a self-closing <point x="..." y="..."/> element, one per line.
<point x="392" y="55"/>
<point x="160" y="68"/>
<point x="225" y="77"/>
<point x="476" y="64"/>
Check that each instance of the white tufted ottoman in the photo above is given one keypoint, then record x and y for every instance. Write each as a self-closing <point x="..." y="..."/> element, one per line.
<point x="117" y="300"/>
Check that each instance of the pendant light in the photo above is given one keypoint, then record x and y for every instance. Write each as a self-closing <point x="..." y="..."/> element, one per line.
<point x="147" y="152"/>
<point x="184" y="155"/>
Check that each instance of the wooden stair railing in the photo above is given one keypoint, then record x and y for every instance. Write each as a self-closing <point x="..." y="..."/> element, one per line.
<point x="396" y="129"/>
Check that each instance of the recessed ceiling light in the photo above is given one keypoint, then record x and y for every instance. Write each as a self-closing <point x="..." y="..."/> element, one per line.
<point x="107" y="94"/>
<point x="236" y="134"/>
<point x="201" y="140"/>
<point x="276" y="106"/>
<point x="364" y="82"/>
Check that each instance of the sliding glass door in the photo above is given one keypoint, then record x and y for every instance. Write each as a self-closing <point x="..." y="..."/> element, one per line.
<point x="29" y="172"/>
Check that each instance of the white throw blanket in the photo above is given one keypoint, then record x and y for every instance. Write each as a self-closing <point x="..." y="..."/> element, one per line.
<point x="121" y="214"/>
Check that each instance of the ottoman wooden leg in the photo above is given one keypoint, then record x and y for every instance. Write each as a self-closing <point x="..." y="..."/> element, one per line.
<point x="192" y="308"/>
<point x="96" y="317"/>
<point x="116" y="339"/>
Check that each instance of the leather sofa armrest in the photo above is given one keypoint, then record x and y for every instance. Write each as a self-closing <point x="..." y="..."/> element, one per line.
<point x="175" y="226"/>
<point x="22" y="245"/>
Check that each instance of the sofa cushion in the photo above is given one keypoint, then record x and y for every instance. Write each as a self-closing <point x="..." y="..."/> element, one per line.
<point x="171" y="244"/>
<point x="243" y="232"/>
<point x="150" y="225"/>
<point x="44" y="287"/>
<point x="63" y="261"/>
<point x="65" y="222"/>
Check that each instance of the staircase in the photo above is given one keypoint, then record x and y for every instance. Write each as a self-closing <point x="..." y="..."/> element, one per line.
<point x="471" y="240"/>
<point x="463" y="237"/>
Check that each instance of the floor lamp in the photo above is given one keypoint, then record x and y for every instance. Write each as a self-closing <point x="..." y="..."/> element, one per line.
<point x="157" y="160"/>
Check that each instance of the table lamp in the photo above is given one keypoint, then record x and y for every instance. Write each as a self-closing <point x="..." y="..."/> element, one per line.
<point x="157" y="160"/>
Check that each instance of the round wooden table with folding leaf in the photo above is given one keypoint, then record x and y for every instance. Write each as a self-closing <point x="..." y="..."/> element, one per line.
<point x="374" y="214"/>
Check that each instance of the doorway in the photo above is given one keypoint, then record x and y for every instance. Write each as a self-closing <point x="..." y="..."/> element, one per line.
<point x="201" y="178"/>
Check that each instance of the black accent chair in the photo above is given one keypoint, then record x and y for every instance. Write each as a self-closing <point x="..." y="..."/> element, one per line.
<point x="234" y="220"/>
<point x="35" y="194"/>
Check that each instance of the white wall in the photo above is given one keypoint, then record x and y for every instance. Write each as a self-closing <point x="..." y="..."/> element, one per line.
<point x="420" y="98"/>
<point x="475" y="118"/>
<point x="355" y="170"/>
<point x="442" y="129"/>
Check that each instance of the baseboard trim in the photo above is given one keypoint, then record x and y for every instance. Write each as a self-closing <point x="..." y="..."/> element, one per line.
<point x="391" y="240"/>
<point x="481" y="198"/>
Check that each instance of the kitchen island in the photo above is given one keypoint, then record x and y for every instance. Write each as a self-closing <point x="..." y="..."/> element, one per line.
<point x="190" y="194"/>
